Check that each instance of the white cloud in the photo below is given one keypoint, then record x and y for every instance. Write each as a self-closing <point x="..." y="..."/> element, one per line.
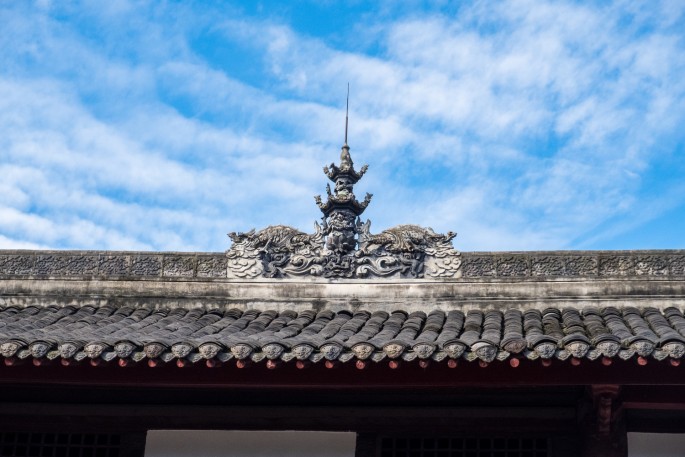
<point x="522" y="125"/>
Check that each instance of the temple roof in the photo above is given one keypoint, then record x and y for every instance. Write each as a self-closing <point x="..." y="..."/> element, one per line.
<point x="210" y="335"/>
<point x="340" y="294"/>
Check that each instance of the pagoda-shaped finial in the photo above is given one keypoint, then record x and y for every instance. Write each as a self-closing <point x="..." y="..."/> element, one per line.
<point x="341" y="210"/>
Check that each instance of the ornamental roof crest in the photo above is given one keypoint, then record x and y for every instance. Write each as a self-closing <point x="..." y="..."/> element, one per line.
<point x="342" y="246"/>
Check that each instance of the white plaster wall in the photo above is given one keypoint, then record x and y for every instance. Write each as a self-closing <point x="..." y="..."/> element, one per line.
<point x="656" y="445"/>
<point x="215" y="443"/>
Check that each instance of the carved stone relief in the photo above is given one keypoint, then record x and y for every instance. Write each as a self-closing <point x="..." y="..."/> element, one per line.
<point x="179" y="266"/>
<point x="616" y="266"/>
<point x="113" y="265"/>
<point x="581" y="265"/>
<point x="211" y="267"/>
<point x="678" y="265"/>
<point x="65" y="265"/>
<point x="548" y="266"/>
<point x="651" y="266"/>
<point x="512" y="266"/>
<point x="405" y="251"/>
<point x="146" y="265"/>
<point x="16" y="264"/>
<point x="479" y="267"/>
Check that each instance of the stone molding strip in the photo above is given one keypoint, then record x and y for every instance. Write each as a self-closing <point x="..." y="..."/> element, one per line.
<point x="208" y="266"/>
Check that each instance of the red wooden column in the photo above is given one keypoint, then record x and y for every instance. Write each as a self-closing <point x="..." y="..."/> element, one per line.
<point x="603" y="423"/>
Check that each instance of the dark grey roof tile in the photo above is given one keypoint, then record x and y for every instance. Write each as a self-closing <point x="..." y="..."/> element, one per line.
<point x="167" y="333"/>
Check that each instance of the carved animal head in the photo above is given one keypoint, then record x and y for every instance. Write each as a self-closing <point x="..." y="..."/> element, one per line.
<point x="154" y="350"/>
<point x="93" y="350"/>
<point x="39" y="349"/>
<point x="240" y="237"/>
<point x="393" y="350"/>
<point x="68" y="350"/>
<point x="331" y="351"/>
<point x="124" y="349"/>
<point x="9" y="348"/>
<point x="424" y="350"/>
<point x="302" y="351"/>
<point x="578" y="349"/>
<point x="545" y="350"/>
<point x="362" y="350"/>
<point x="181" y="350"/>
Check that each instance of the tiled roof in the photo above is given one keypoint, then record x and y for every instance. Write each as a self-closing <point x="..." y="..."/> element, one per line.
<point x="209" y="336"/>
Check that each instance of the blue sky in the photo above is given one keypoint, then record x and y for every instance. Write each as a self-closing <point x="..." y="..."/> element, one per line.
<point x="521" y="125"/>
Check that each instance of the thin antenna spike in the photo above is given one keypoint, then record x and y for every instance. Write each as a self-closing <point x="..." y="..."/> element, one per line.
<point x="347" y="111"/>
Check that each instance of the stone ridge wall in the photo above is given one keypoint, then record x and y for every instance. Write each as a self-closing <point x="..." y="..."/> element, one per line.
<point x="208" y="266"/>
<point x="571" y="264"/>
<point x="104" y="264"/>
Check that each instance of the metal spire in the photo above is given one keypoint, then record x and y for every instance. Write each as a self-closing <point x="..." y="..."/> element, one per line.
<point x="347" y="111"/>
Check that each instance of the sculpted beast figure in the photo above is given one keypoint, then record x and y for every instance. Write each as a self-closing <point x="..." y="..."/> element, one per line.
<point x="406" y="251"/>
<point x="270" y="250"/>
<point x="277" y="238"/>
<point x="403" y="239"/>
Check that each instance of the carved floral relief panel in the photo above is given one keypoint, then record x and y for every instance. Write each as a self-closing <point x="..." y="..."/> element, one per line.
<point x="478" y="267"/>
<point x="548" y="266"/>
<point x="211" y="266"/>
<point x="616" y="266"/>
<point x="179" y="266"/>
<point x="146" y="265"/>
<point x="113" y="265"/>
<point x="16" y="264"/>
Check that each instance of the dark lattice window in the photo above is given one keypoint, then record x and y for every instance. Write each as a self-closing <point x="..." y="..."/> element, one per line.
<point x="464" y="447"/>
<point x="32" y="444"/>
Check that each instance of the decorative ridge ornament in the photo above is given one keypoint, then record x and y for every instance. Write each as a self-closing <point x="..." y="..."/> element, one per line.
<point x="341" y="210"/>
<point x="342" y="246"/>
